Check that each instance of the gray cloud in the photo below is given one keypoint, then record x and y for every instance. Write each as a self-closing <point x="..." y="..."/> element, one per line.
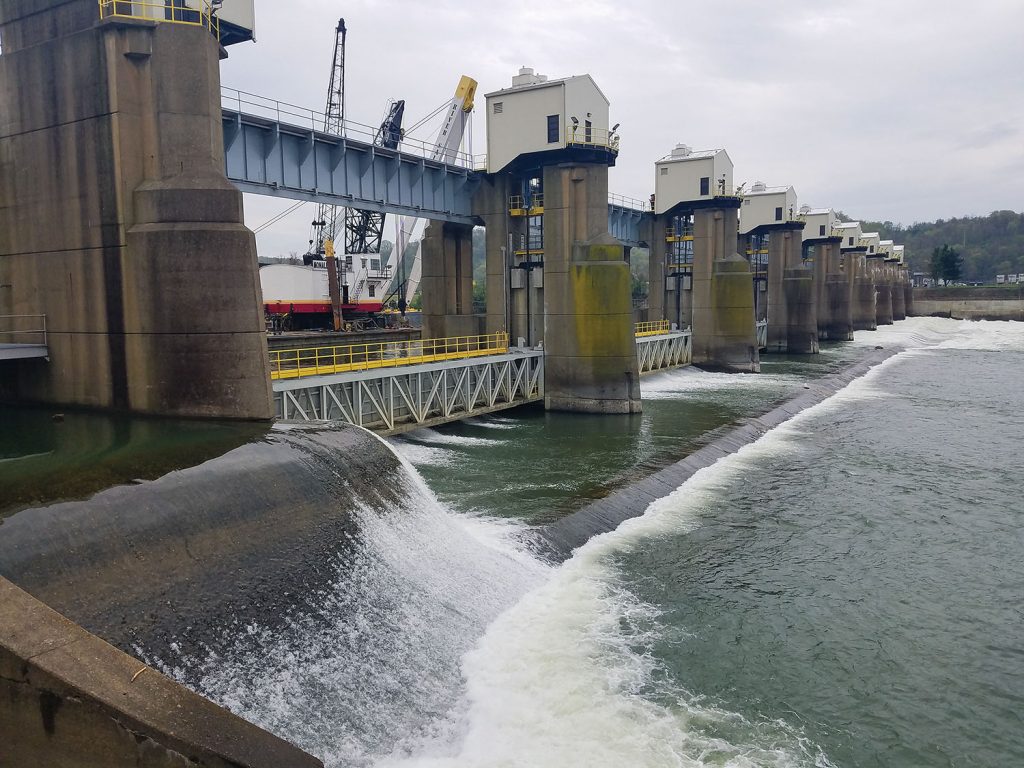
<point x="903" y="111"/>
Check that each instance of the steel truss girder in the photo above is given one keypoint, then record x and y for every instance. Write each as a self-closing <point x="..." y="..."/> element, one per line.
<point x="624" y="224"/>
<point x="393" y="400"/>
<point x="266" y="157"/>
<point x="263" y="156"/>
<point x="667" y="350"/>
<point x="761" y="329"/>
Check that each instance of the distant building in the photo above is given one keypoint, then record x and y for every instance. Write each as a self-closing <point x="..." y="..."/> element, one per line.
<point x="821" y="222"/>
<point x="539" y="115"/>
<point x="764" y="205"/>
<point x="689" y="176"/>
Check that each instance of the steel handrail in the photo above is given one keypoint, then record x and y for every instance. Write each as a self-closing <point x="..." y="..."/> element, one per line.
<point x="592" y="137"/>
<point x="651" y="328"/>
<point x="204" y="16"/>
<point x="628" y="202"/>
<point x="318" y="361"/>
<point x="13" y="332"/>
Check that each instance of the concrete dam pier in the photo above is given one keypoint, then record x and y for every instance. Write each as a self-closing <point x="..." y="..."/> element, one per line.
<point x="149" y="282"/>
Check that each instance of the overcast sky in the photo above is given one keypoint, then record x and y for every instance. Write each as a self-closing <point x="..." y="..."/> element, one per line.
<point x="907" y="110"/>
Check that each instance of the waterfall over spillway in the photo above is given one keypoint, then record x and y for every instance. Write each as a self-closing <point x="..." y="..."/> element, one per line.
<point x="308" y="580"/>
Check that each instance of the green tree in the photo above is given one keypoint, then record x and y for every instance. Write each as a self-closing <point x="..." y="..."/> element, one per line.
<point x="989" y="245"/>
<point x="479" y="297"/>
<point x="946" y="265"/>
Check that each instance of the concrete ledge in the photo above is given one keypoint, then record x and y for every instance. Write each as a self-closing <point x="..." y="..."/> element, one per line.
<point x="558" y="540"/>
<point x="970" y="303"/>
<point x="997" y="292"/>
<point x="67" y="698"/>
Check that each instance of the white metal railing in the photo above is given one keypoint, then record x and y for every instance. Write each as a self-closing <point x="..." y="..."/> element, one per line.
<point x="34" y="335"/>
<point x="666" y="350"/>
<point x="582" y="136"/>
<point x="693" y="154"/>
<point x="305" y="117"/>
<point x="628" y="202"/>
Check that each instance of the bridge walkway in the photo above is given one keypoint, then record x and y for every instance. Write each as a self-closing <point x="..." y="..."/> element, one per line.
<point x="283" y="150"/>
<point x="392" y="387"/>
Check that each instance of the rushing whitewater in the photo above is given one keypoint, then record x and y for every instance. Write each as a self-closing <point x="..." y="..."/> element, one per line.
<point x="775" y="610"/>
<point x="570" y="674"/>
<point x="375" y="669"/>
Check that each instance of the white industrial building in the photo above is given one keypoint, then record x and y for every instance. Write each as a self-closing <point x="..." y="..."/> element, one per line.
<point x="686" y="176"/>
<point x="870" y="240"/>
<point x="850" y="231"/>
<point x="885" y="248"/>
<point x="898" y="253"/>
<point x="819" y="222"/>
<point x="539" y="115"/>
<point x="766" y="205"/>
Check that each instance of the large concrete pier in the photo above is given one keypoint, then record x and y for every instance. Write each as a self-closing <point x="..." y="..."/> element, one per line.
<point x="447" y="281"/>
<point x="590" y="350"/>
<point x="697" y="277"/>
<point x="555" y="275"/>
<point x="792" y="310"/>
<point x="723" y="296"/>
<point x="117" y="221"/>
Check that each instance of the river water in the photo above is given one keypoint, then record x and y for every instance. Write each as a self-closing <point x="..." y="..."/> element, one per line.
<point x="846" y="591"/>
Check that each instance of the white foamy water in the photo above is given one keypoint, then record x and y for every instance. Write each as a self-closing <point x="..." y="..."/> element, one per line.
<point x="433" y="437"/>
<point x="423" y="455"/>
<point x="912" y="332"/>
<point x="377" y="668"/>
<point x="683" y="382"/>
<point x="562" y="678"/>
<point x="444" y="645"/>
<point x="494" y="422"/>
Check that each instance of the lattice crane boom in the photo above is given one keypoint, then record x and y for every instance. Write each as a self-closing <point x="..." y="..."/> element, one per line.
<point x="409" y="267"/>
<point x="326" y="222"/>
<point x="364" y="230"/>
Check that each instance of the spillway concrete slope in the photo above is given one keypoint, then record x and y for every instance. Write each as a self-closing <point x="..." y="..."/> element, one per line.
<point x="177" y="565"/>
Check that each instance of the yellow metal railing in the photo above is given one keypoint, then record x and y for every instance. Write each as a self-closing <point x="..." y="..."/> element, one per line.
<point x="518" y="205"/>
<point x="199" y="13"/>
<point x="318" y="361"/>
<point x="673" y="235"/>
<point x="652" y="328"/>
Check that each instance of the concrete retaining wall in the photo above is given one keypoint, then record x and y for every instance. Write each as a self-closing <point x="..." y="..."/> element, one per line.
<point x="69" y="699"/>
<point x="969" y="303"/>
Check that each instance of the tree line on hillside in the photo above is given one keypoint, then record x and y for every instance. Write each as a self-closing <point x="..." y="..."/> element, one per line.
<point x="987" y="245"/>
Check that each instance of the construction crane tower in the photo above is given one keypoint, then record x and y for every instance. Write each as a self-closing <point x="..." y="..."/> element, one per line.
<point x="365" y="229"/>
<point x="325" y="223"/>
